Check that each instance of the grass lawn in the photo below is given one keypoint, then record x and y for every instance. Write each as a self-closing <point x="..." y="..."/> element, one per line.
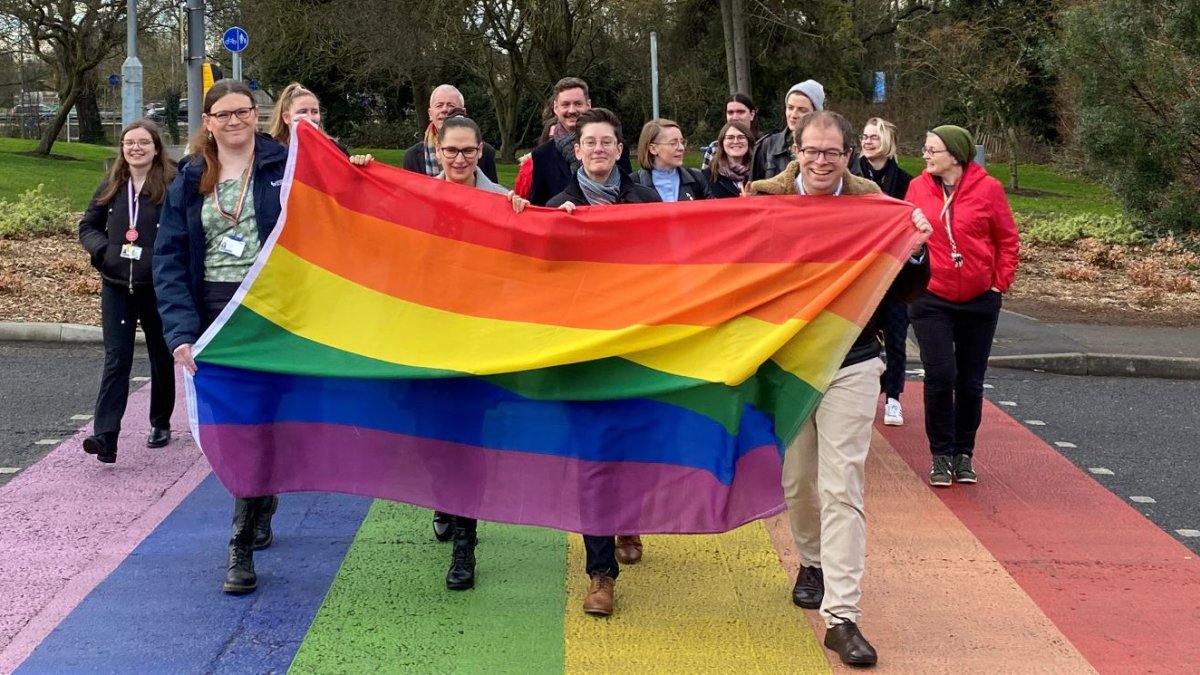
<point x="76" y="178"/>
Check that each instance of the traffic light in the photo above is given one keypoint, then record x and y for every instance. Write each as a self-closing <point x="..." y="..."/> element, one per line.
<point x="209" y="73"/>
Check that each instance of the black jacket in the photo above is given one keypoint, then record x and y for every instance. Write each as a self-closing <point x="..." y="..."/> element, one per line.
<point x="414" y="160"/>
<point x="179" y="247"/>
<point x="908" y="284"/>
<point x="102" y="233"/>
<point x="552" y="172"/>
<point x="724" y="187"/>
<point x="693" y="184"/>
<point x="772" y="154"/>
<point x="631" y="193"/>
<point x="891" y="179"/>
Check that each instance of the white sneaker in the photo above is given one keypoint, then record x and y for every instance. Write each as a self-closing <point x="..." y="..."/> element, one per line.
<point x="893" y="414"/>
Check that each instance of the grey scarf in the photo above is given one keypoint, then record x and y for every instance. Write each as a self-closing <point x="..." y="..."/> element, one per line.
<point x="598" y="194"/>
<point x="566" y="147"/>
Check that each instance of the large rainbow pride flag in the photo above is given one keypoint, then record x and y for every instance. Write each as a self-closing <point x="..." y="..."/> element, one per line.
<point x="631" y="368"/>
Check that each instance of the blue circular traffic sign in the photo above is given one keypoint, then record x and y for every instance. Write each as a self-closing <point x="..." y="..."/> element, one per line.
<point x="253" y="84"/>
<point x="114" y="80"/>
<point x="235" y="39"/>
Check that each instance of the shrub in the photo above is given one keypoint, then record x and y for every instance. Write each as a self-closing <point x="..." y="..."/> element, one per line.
<point x="84" y="286"/>
<point x="1101" y="255"/>
<point x="1077" y="273"/>
<point x="1182" y="284"/>
<point x="1069" y="229"/>
<point x="1148" y="297"/>
<point x="11" y="283"/>
<point x="35" y="214"/>
<point x="1147" y="273"/>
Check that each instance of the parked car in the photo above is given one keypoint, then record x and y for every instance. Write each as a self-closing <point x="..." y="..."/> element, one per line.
<point x="39" y="110"/>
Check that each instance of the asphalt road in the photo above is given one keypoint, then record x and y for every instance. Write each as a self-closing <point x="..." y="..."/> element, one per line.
<point x="41" y="387"/>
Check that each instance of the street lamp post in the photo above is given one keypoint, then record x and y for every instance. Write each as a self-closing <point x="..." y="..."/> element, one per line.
<point x="131" y="71"/>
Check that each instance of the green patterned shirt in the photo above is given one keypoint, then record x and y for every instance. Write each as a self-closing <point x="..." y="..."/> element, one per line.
<point x="219" y="266"/>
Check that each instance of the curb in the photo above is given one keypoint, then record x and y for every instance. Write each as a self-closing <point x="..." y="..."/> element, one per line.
<point x="1104" y="365"/>
<point x="54" y="332"/>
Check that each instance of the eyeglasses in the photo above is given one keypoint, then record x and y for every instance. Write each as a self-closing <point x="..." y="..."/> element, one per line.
<point x="735" y="138"/>
<point x="931" y="151"/>
<point x="224" y="116"/>
<point x="674" y="143"/>
<point x="453" y="153"/>
<point x="606" y="143"/>
<point x="874" y="138"/>
<point x="829" y="155"/>
<point x="137" y="143"/>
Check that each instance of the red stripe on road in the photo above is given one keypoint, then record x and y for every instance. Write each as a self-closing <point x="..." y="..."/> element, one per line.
<point x="1124" y="592"/>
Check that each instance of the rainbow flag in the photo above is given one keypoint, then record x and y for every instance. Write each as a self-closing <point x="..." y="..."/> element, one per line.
<point x="631" y="368"/>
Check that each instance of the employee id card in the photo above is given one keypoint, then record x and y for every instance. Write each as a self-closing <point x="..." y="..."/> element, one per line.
<point x="232" y="245"/>
<point x="131" y="252"/>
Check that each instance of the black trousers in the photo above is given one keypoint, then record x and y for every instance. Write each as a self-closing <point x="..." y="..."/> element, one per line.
<point x="601" y="555"/>
<point x="894" y="317"/>
<point x="120" y="312"/>
<point x="955" y="340"/>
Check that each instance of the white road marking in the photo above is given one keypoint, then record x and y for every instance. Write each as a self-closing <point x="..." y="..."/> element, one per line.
<point x="988" y="386"/>
<point x="81" y="418"/>
<point x="1143" y="500"/>
<point x="1009" y="404"/>
<point x="1065" y="444"/>
<point x="9" y="469"/>
<point x="141" y="379"/>
<point x="1035" y="423"/>
<point x="1101" y="471"/>
<point x="47" y="441"/>
<point x="1188" y="533"/>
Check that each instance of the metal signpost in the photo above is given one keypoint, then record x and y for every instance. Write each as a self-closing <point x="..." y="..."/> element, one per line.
<point x="131" y="71"/>
<point x="235" y="40"/>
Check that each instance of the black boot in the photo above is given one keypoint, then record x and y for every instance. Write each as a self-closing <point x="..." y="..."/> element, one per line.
<point x="443" y="526"/>
<point x="240" y="578"/>
<point x="461" y="575"/>
<point x="103" y="446"/>
<point x="263" y="535"/>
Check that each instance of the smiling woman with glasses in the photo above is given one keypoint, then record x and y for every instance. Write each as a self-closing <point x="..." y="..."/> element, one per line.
<point x="660" y="152"/>
<point x="732" y="161"/>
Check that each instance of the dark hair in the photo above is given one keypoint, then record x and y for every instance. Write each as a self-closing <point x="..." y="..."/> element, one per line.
<point x="826" y="119"/>
<point x="743" y="99"/>
<point x="570" y="83"/>
<point x="719" y="159"/>
<point x="457" y="119"/>
<point x="203" y="143"/>
<point x="162" y="170"/>
<point x="598" y="116"/>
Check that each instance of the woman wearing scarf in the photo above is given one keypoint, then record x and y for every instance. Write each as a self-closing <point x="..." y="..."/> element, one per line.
<point x="731" y="163"/>
<point x="878" y="163"/>
<point x="599" y="182"/>
<point x="973" y="257"/>
<point x="660" y="153"/>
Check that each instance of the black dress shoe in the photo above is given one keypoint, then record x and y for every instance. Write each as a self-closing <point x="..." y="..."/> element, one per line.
<point x="105" y="449"/>
<point x="443" y="525"/>
<point x="158" y="438"/>
<point x="850" y="645"/>
<point x="809" y="590"/>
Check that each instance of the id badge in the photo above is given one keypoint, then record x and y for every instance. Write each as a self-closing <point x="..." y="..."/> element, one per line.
<point x="233" y="246"/>
<point x="131" y="252"/>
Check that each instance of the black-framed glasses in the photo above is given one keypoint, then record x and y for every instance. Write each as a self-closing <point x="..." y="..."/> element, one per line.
<point x="829" y="155"/>
<point x="734" y="138"/>
<point x="452" y="152"/>
<point x="224" y="116"/>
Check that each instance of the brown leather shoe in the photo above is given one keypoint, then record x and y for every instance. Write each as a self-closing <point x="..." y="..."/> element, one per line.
<point x="629" y="549"/>
<point x="599" y="600"/>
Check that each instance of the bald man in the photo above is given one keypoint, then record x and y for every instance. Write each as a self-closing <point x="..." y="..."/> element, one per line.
<point x="422" y="157"/>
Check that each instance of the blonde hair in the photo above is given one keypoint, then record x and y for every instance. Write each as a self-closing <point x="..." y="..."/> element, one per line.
<point x="887" y="135"/>
<point x="650" y="131"/>
<point x="279" y="129"/>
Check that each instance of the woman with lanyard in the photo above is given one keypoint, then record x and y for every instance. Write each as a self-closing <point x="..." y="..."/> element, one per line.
<point x="731" y="163"/>
<point x="878" y="163"/>
<point x="459" y="147"/>
<point x="973" y="258"/>
<point x="118" y="231"/>
<point x="218" y="213"/>
<point x="660" y="153"/>
<point x="598" y="182"/>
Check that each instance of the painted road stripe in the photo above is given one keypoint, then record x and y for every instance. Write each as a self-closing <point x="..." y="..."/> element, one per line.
<point x="9" y="469"/>
<point x="162" y="610"/>
<point x="1035" y="423"/>
<point x="694" y="604"/>
<point x="81" y="418"/>
<point x="67" y="521"/>
<point x="1143" y="500"/>
<point x="388" y="610"/>
<point x="1064" y="444"/>
<point x="50" y="441"/>
<point x="1009" y="404"/>
<point x="1188" y="533"/>
<point x="1094" y="565"/>
<point x="1101" y="471"/>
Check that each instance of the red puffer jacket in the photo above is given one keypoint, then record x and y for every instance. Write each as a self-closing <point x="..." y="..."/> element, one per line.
<point x="983" y="229"/>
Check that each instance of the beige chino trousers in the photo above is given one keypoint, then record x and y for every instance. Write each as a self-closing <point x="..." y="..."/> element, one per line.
<point x="823" y="474"/>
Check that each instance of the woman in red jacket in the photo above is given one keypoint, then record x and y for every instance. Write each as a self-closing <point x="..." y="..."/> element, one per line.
<point x="973" y="258"/>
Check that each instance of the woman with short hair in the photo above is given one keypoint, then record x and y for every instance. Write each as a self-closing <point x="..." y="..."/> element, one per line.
<point x="660" y="153"/>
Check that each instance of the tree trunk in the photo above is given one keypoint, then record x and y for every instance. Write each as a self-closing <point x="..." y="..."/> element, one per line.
<point x="66" y="103"/>
<point x="741" y="54"/>
<point x="1010" y="138"/>
<point x="87" y="108"/>
<point x="730" y="58"/>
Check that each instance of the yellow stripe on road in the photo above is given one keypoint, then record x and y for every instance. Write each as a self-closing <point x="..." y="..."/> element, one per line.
<point x="695" y="604"/>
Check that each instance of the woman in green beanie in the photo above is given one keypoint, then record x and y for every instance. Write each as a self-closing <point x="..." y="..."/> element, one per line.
<point x="973" y="258"/>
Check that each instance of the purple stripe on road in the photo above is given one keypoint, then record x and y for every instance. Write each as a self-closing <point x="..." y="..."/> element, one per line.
<point x="496" y="485"/>
<point x="68" y="521"/>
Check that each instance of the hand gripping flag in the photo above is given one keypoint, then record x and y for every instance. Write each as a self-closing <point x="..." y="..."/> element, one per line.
<point x="623" y="369"/>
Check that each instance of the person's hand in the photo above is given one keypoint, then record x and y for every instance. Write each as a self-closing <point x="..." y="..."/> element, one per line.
<point x="524" y="158"/>
<point x="997" y="290"/>
<point x="183" y="356"/>
<point x="921" y="223"/>
<point x="518" y="202"/>
<point x="746" y="190"/>
<point x="361" y="160"/>
<point x="569" y="207"/>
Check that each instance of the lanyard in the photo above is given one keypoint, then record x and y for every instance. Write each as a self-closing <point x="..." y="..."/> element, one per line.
<point x="135" y="203"/>
<point x="947" y="201"/>
<point x="237" y="213"/>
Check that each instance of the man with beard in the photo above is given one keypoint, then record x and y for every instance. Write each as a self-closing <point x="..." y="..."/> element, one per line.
<point x="422" y="157"/>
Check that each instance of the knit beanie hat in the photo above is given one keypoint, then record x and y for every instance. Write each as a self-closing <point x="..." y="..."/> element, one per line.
<point x="958" y="141"/>
<point x="811" y="89"/>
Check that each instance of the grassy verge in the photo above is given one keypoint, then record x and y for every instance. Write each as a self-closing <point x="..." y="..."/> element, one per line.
<point x="75" y="178"/>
